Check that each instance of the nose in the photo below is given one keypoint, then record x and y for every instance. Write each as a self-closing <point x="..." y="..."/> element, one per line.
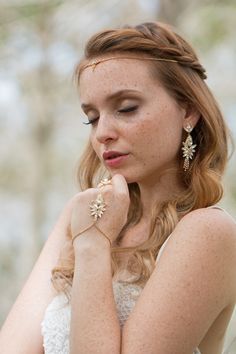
<point x="106" y="129"/>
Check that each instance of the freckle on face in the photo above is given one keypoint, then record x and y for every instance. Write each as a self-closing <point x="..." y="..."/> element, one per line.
<point x="146" y="136"/>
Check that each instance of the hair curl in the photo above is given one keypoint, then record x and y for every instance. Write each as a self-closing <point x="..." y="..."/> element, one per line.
<point x="183" y="80"/>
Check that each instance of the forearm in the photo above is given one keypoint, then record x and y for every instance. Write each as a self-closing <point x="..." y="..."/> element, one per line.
<point x="36" y="294"/>
<point x="94" y="323"/>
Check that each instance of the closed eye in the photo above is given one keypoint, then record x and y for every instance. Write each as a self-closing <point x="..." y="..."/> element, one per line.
<point x="91" y="121"/>
<point x="128" y="109"/>
<point x="124" y="110"/>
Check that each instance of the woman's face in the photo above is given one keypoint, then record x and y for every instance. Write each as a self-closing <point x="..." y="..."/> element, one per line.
<point x="132" y="114"/>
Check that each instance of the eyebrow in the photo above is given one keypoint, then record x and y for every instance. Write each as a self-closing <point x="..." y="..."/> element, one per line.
<point x="112" y="97"/>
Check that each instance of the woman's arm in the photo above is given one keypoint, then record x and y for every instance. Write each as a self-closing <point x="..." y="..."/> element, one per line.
<point x="21" y="332"/>
<point x="95" y="326"/>
<point x="94" y="323"/>
<point x="192" y="284"/>
<point x="182" y="298"/>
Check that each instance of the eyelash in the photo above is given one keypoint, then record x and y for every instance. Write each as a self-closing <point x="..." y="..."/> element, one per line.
<point x="125" y="110"/>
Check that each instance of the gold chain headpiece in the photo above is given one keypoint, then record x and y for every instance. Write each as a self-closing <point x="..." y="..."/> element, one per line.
<point x="95" y="62"/>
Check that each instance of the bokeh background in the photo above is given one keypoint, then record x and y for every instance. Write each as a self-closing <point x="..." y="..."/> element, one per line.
<point x="42" y="135"/>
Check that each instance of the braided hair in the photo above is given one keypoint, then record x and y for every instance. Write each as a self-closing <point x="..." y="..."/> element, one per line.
<point x="184" y="79"/>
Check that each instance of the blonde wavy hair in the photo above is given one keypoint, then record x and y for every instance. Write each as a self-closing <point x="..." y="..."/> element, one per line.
<point x="185" y="81"/>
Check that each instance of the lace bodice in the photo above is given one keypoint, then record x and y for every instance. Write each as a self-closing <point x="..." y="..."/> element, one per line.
<point x="56" y="322"/>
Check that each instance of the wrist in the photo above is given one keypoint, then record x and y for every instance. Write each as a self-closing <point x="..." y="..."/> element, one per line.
<point x="92" y="254"/>
<point x="91" y="241"/>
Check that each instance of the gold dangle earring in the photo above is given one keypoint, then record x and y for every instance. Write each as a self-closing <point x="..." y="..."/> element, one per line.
<point x="188" y="147"/>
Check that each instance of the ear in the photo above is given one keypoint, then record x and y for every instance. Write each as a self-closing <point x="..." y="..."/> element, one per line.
<point x="191" y="116"/>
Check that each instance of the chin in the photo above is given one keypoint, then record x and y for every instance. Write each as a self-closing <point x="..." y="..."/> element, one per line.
<point x="125" y="175"/>
<point x="130" y="179"/>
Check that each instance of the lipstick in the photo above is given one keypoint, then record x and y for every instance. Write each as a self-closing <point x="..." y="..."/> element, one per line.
<point x="114" y="158"/>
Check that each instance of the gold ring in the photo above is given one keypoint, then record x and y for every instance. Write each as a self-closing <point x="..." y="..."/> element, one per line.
<point x="97" y="207"/>
<point x="104" y="182"/>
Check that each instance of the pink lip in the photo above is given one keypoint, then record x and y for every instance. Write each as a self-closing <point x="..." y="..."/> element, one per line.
<point x="116" y="161"/>
<point x="114" y="158"/>
<point x="112" y="154"/>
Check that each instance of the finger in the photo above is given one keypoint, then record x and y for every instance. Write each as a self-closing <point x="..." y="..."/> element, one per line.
<point x="120" y="185"/>
<point x="104" y="182"/>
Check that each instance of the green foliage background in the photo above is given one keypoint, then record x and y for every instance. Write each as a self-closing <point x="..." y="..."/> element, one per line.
<point x="40" y="120"/>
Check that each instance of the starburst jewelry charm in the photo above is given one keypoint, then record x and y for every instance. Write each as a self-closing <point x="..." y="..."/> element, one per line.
<point x="188" y="148"/>
<point x="104" y="182"/>
<point x="97" y="207"/>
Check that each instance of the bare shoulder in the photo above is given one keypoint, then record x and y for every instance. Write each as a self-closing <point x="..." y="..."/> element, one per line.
<point x="205" y="240"/>
<point x="210" y="224"/>
<point x="211" y="228"/>
<point x="192" y="284"/>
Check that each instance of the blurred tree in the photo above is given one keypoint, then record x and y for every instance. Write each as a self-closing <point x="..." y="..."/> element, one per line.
<point x="40" y="42"/>
<point x="170" y="11"/>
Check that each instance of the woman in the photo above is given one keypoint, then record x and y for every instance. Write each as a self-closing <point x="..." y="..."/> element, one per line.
<point x="146" y="259"/>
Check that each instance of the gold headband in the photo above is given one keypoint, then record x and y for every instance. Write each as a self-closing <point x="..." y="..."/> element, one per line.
<point x="94" y="63"/>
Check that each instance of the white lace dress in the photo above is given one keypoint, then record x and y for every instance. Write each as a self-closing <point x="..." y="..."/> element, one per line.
<point x="56" y="322"/>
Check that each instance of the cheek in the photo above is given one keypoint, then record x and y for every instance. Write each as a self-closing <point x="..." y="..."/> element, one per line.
<point x="138" y="137"/>
<point x="147" y="129"/>
<point x="158" y="137"/>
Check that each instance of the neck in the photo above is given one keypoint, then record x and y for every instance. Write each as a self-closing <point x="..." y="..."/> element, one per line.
<point x="155" y="191"/>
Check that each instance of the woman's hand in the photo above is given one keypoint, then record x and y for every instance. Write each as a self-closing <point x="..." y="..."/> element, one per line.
<point x="116" y="198"/>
